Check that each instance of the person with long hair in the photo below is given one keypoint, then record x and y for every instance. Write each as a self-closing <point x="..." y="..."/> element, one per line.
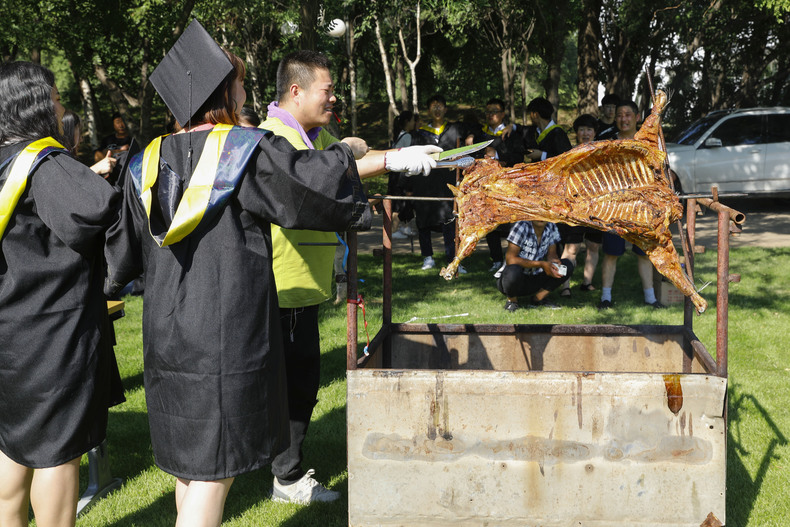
<point x="58" y="375"/>
<point x="196" y="218"/>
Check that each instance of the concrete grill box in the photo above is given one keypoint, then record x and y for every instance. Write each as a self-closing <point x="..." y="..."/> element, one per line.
<point x="514" y="425"/>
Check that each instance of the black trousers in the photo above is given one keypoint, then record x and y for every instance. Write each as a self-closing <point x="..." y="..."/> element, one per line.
<point x="448" y="235"/>
<point x="303" y="370"/>
<point x="514" y="283"/>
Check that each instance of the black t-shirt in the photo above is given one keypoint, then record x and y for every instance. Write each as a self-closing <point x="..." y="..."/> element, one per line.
<point x="111" y="142"/>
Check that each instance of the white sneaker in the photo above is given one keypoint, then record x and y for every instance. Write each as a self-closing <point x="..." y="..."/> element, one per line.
<point x="305" y="491"/>
<point x="499" y="271"/>
<point x="400" y="234"/>
<point x="461" y="269"/>
<point x="495" y="267"/>
<point x="428" y="263"/>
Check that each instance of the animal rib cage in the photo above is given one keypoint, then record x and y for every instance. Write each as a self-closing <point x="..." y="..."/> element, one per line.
<point x="619" y="186"/>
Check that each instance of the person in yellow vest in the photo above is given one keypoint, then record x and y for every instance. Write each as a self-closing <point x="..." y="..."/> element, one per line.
<point x="58" y="375"/>
<point x="303" y="259"/>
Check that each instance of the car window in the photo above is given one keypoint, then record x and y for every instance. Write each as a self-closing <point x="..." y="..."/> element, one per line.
<point x="690" y="135"/>
<point x="778" y="130"/>
<point x="744" y="130"/>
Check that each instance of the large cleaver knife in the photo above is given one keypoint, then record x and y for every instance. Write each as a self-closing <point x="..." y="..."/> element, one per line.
<point x="459" y="157"/>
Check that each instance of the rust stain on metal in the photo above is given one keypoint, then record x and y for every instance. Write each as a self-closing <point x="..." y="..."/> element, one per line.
<point x="674" y="393"/>
<point x="711" y="521"/>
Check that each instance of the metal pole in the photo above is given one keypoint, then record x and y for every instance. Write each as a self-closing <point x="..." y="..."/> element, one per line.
<point x="722" y="291"/>
<point x="386" y="311"/>
<point x="351" y="305"/>
<point x="689" y="242"/>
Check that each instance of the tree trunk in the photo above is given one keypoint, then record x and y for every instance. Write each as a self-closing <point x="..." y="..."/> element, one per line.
<point x="402" y="85"/>
<point x="393" y="109"/>
<point x="524" y="71"/>
<point x="508" y="75"/>
<point x="251" y="49"/>
<point x="352" y="74"/>
<point x="589" y="35"/>
<point x="146" y="97"/>
<point x="556" y="33"/>
<point x="308" y="19"/>
<point x="89" y="110"/>
<point x="413" y="63"/>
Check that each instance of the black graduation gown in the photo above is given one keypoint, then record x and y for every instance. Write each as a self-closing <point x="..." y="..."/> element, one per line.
<point x="57" y="369"/>
<point x="435" y="213"/>
<point x="214" y="367"/>
<point x="510" y="150"/>
<point x="554" y="143"/>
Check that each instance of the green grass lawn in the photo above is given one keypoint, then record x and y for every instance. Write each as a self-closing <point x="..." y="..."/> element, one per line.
<point x="758" y="474"/>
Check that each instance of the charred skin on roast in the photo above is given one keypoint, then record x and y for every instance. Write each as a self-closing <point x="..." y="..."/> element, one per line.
<point x="618" y="186"/>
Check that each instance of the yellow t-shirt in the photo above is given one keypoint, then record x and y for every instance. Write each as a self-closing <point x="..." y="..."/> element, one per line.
<point x="303" y="273"/>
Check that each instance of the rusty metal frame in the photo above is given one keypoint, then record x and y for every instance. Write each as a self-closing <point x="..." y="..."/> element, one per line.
<point x="726" y="217"/>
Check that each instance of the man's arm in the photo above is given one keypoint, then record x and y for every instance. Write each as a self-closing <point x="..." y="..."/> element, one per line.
<point x="512" y="258"/>
<point x="371" y="164"/>
<point x="411" y="159"/>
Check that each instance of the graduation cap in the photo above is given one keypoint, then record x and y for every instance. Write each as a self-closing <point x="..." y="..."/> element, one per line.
<point x="190" y="72"/>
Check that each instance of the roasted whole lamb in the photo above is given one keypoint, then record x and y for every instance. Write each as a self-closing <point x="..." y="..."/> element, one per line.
<point x="619" y="186"/>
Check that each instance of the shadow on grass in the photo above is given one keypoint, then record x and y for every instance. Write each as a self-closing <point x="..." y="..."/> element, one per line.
<point x="132" y="382"/>
<point x="160" y="513"/>
<point x="325" y="451"/>
<point x="741" y="488"/>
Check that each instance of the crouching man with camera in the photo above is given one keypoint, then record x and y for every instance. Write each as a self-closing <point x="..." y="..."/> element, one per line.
<point x="533" y="267"/>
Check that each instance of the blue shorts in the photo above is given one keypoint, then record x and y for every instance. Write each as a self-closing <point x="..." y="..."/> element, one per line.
<point x="613" y="245"/>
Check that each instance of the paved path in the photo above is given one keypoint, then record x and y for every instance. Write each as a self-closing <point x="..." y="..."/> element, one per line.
<point x="767" y="225"/>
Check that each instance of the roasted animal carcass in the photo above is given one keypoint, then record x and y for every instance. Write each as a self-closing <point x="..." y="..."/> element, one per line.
<point x="619" y="186"/>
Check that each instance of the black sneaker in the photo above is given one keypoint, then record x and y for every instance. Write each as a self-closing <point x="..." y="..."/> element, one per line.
<point x="605" y="304"/>
<point x="656" y="305"/>
<point x="511" y="306"/>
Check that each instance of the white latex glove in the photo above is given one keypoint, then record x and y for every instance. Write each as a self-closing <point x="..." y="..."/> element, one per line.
<point x="412" y="159"/>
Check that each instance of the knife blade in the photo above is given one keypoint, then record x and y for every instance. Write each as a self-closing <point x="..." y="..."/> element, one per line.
<point x="449" y="155"/>
<point x="460" y="162"/>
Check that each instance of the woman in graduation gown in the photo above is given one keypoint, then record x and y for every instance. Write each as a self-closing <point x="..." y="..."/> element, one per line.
<point x="214" y="367"/>
<point x="56" y="363"/>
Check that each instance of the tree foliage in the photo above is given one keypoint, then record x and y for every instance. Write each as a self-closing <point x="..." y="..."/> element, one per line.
<point x="710" y="54"/>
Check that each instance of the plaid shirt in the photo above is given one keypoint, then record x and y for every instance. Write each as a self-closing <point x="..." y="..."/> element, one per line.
<point x="523" y="235"/>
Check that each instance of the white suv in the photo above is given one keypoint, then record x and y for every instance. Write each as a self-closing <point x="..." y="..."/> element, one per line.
<point x="739" y="151"/>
